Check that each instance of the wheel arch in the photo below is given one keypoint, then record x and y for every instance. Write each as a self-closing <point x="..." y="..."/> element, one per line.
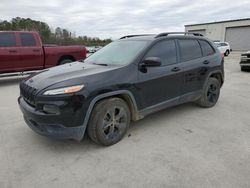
<point x="129" y="99"/>
<point x="227" y="52"/>
<point x="125" y="95"/>
<point x="218" y="75"/>
<point x="65" y="57"/>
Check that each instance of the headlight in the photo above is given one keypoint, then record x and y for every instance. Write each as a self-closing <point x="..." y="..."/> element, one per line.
<point x="64" y="90"/>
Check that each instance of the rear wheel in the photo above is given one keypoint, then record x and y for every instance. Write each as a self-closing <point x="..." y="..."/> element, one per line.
<point x="226" y="53"/>
<point x="210" y="93"/>
<point x="65" y="61"/>
<point x="109" y="121"/>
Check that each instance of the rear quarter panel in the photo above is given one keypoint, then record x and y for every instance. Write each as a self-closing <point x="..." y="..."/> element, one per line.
<point x="54" y="54"/>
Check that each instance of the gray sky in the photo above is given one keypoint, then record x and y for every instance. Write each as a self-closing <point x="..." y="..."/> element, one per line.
<point x="112" y="19"/>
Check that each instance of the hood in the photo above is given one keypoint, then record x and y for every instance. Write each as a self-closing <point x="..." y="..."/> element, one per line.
<point x="65" y="72"/>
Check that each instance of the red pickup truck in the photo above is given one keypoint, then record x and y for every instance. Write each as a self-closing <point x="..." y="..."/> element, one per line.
<point x="23" y="51"/>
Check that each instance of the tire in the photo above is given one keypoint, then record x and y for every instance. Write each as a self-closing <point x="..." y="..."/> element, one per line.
<point x="226" y="53"/>
<point x="109" y="121"/>
<point x="65" y="61"/>
<point x="210" y="93"/>
<point x="242" y="68"/>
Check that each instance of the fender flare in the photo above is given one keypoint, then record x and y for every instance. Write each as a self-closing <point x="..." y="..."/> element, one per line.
<point x="216" y="72"/>
<point x="103" y="96"/>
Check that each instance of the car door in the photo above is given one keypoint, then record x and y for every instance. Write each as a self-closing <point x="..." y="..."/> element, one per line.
<point x="31" y="52"/>
<point x="196" y="65"/>
<point x="162" y="84"/>
<point x="9" y="53"/>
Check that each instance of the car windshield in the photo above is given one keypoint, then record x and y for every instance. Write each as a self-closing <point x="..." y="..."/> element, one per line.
<point x="117" y="53"/>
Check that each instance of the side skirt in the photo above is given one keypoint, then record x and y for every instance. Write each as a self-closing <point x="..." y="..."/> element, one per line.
<point x="189" y="97"/>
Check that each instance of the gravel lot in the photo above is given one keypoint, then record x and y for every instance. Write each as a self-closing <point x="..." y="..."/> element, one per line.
<point x="185" y="146"/>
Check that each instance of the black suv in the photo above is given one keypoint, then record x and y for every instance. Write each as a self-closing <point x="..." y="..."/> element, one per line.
<point x="123" y="82"/>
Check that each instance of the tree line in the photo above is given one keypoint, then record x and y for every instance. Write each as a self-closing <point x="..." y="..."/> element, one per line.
<point x="60" y="36"/>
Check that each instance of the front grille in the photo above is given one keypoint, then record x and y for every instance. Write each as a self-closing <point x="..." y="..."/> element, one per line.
<point x="28" y="93"/>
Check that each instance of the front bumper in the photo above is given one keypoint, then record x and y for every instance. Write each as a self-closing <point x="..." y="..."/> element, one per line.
<point x="45" y="124"/>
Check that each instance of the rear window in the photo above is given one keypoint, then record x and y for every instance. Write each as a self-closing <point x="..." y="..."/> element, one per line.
<point x="189" y="49"/>
<point x="207" y="49"/>
<point x="218" y="44"/>
<point x="7" y="40"/>
<point x="27" y="39"/>
<point x="223" y="44"/>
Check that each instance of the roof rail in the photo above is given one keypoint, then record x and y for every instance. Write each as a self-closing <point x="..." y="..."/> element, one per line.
<point x="174" y="33"/>
<point x="129" y="36"/>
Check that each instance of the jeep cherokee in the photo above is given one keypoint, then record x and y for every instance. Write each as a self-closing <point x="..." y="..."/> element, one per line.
<point x="123" y="82"/>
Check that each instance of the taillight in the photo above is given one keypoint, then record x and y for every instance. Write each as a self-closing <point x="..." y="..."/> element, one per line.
<point x="222" y="55"/>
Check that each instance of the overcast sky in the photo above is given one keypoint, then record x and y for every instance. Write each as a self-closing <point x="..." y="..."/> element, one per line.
<point x="112" y="19"/>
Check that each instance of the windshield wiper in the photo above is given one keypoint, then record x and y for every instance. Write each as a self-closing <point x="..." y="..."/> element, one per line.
<point x="102" y="64"/>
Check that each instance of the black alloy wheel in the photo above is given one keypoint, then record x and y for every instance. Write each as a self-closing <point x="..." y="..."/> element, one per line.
<point x="109" y="121"/>
<point x="210" y="93"/>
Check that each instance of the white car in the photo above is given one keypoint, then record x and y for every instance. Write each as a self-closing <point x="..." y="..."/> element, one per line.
<point x="224" y="47"/>
<point x="93" y="49"/>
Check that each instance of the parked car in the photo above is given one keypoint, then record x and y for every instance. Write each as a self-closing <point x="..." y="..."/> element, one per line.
<point x="23" y="51"/>
<point x="89" y="49"/>
<point x="245" y="61"/>
<point x="224" y="47"/>
<point x="93" y="49"/>
<point x="96" y="48"/>
<point x="125" y="80"/>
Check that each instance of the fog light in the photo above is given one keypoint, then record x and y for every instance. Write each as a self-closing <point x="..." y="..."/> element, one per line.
<point x="50" y="109"/>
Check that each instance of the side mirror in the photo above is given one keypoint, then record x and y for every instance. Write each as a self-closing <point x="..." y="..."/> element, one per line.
<point x="152" y="62"/>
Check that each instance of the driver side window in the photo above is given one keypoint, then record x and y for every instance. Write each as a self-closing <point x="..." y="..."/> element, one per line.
<point x="165" y="50"/>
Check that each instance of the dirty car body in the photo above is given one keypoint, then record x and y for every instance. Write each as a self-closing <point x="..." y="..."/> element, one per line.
<point x="114" y="71"/>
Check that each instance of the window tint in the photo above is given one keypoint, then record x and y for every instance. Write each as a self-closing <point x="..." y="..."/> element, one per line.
<point x="206" y="48"/>
<point x="190" y="49"/>
<point x="223" y="44"/>
<point x="165" y="50"/>
<point x="7" y="40"/>
<point x="27" y="39"/>
<point x="218" y="44"/>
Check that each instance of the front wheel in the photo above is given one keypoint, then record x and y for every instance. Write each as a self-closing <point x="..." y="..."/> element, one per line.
<point x="210" y="93"/>
<point x="109" y="121"/>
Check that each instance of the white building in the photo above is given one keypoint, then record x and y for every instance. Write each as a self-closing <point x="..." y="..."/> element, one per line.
<point x="236" y="32"/>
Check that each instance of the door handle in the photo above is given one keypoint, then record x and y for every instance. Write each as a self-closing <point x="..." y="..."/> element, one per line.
<point x="206" y="62"/>
<point x="36" y="50"/>
<point x="176" y="69"/>
<point x="12" y="51"/>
